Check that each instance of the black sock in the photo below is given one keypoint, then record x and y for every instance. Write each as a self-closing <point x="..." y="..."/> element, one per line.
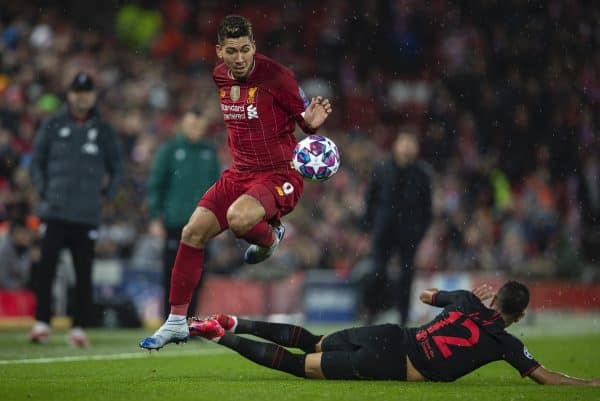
<point x="266" y="354"/>
<point x="287" y="335"/>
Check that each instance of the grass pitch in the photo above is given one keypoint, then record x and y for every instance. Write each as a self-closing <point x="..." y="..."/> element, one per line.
<point x="113" y="368"/>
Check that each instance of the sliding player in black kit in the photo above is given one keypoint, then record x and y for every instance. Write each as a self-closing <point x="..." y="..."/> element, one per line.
<point x="463" y="337"/>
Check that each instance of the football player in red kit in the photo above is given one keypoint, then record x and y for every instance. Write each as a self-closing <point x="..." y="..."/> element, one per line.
<point x="261" y="104"/>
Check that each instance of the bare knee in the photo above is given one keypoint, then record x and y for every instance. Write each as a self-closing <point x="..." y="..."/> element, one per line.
<point x="241" y="217"/>
<point x="194" y="235"/>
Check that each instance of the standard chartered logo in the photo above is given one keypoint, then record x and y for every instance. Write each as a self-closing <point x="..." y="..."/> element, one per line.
<point x="239" y="111"/>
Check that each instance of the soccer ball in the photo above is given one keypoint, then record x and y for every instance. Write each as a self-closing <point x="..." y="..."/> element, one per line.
<point x="316" y="158"/>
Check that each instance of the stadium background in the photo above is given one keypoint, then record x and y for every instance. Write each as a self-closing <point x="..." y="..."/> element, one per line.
<point x="504" y="96"/>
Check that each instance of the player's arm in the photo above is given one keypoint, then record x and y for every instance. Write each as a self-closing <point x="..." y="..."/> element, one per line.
<point x="541" y="375"/>
<point x="521" y="359"/>
<point x="309" y="115"/>
<point x="435" y="297"/>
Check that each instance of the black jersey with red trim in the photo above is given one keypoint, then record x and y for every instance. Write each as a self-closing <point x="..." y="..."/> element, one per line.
<point x="465" y="336"/>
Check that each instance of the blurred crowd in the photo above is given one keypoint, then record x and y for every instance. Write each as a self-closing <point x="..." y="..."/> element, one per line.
<point x="503" y="94"/>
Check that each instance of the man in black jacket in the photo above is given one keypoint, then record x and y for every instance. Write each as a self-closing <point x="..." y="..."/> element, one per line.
<point x="398" y="203"/>
<point x="74" y="153"/>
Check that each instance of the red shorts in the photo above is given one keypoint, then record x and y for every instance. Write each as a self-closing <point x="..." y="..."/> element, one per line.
<point x="277" y="191"/>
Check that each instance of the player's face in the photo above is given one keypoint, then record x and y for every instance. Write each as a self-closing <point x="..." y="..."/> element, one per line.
<point x="238" y="55"/>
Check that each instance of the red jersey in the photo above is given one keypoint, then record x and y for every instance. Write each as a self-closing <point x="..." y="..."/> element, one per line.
<point x="260" y="113"/>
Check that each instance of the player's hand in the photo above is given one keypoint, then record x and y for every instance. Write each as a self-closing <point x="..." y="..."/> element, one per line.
<point x="317" y="112"/>
<point x="484" y="292"/>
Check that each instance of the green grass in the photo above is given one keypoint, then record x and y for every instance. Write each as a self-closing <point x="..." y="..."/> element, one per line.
<point x="203" y="371"/>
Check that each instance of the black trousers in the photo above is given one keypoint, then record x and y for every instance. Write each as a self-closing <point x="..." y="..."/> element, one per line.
<point x="379" y="293"/>
<point x="169" y="254"/>
<point x="80" y="240"/>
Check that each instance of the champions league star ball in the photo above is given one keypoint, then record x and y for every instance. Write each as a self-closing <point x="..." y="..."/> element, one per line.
<point x="316" y="158"/>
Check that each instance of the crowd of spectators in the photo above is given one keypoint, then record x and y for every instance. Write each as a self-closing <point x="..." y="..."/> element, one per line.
<point x="504" y="95"/>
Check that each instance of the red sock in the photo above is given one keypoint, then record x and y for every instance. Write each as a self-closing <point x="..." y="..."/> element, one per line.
<point x="261" y="235"/>
<point x="186" y="274"/>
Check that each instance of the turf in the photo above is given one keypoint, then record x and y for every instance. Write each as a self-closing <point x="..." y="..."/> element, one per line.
<point x="200" y="370"/>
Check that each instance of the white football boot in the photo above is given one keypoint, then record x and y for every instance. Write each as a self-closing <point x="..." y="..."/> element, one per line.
<point x="174" y="330"/>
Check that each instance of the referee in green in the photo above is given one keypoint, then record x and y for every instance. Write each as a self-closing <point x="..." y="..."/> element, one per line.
<point x="182" y="170"/>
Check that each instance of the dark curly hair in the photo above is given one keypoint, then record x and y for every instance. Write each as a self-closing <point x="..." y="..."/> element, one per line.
<point x="234" y="26"/>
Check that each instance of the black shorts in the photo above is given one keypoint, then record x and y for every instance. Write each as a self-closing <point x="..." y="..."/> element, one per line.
<point x="365" y="353"/>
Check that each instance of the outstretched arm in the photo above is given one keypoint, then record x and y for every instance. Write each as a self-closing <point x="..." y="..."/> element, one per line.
<point x="483" y="292"/>
<point x="542" y="375"/>
<point x="441" y="298"/>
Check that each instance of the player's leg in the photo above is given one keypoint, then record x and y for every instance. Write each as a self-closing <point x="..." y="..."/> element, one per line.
<point x="380" y="360"/>
<point x="266" y="354"/>
<point x="245" y="218"/>
<point x="171" y="245"/>
<point x="271" y="196"/>
<point x="208" y="220"/>
<point x="52" y="241"/>
<point x="186" y="273"/>
<point x="202" y="226"/>
<point x="286" y="335"/>
<point x="81" y="241"/>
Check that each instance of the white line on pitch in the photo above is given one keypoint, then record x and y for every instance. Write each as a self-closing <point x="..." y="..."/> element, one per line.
<point x="127" y="355"/>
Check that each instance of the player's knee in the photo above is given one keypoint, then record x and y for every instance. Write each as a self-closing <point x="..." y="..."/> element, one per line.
<point x="239" y="222"/>
<point x="193" y="235"/>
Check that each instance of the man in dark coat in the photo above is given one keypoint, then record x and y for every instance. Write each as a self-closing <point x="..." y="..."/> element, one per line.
<point x="76" y="163"/>
<point x="398" y="213"/>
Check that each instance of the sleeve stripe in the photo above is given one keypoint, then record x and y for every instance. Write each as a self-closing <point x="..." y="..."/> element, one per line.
<point x="433" y="297"/>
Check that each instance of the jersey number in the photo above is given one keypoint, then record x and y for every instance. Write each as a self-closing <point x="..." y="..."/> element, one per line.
<point x="443" y="342"/>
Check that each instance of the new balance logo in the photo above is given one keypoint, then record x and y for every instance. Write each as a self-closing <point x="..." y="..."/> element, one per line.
<point x="252" y="112"/>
